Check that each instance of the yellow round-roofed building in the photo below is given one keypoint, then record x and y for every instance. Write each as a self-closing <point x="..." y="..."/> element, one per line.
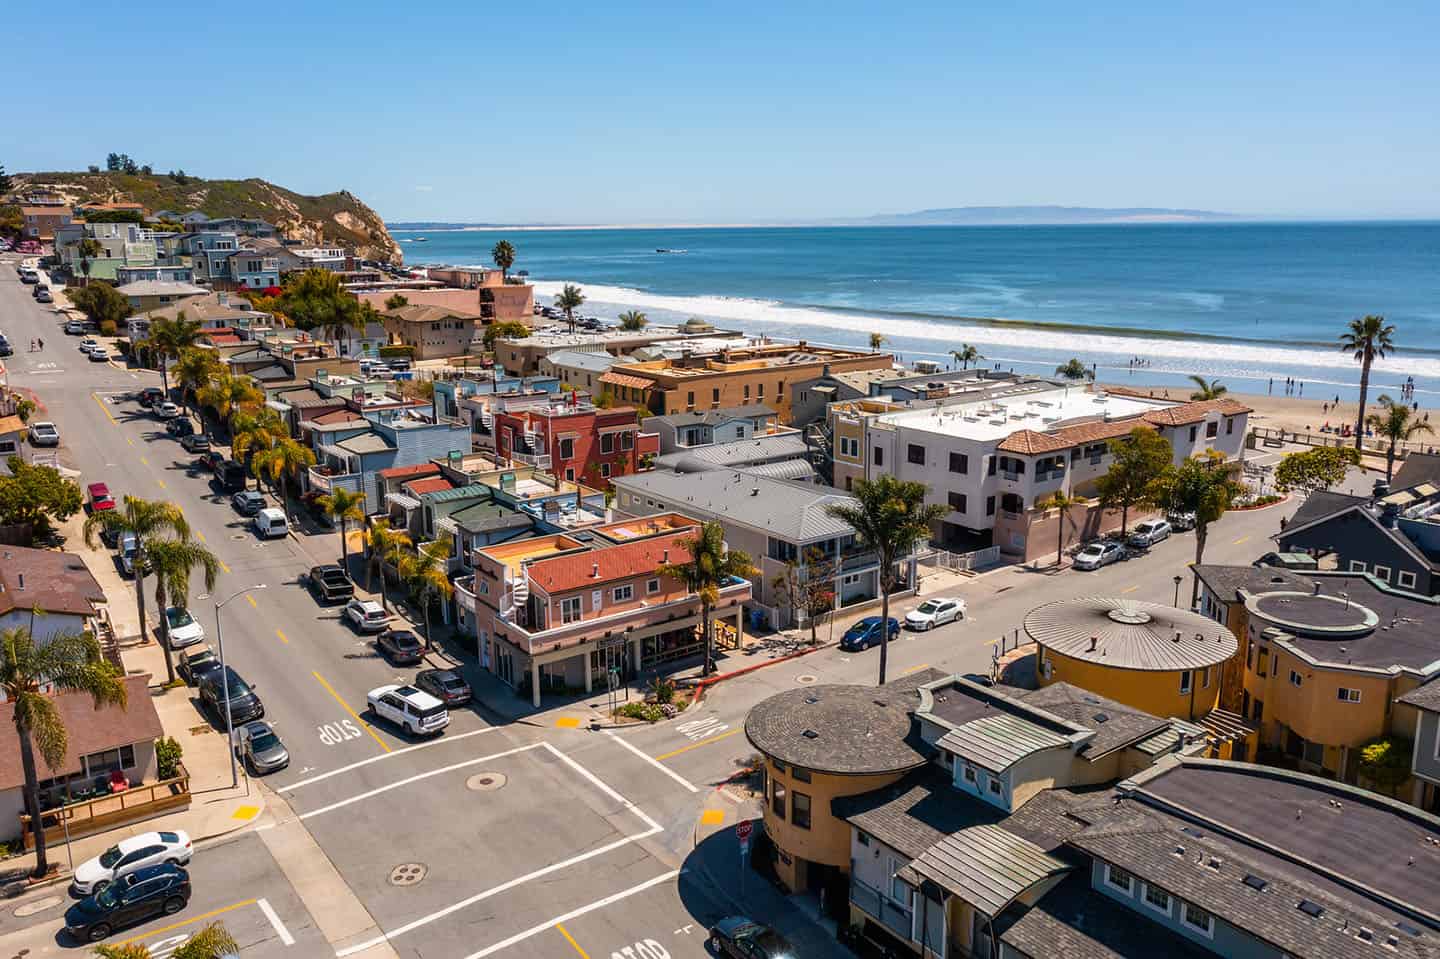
<point x="1156" y="658"/>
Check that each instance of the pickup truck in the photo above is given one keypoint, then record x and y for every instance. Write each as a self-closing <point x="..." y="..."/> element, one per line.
<point x="330" y="584"/>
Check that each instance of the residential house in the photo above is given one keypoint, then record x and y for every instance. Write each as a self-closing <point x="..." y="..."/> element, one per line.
<point x="905" y="388"/>
<point x="252" y="269"/>
<point x="239" y="226"/>
<point x="499" y="298"/>
<point x="1425" y="759"/>
<point x="41" y="222"/>
<point x="330" y="258"/>
<point x="779" y="456"/>
<point x="449" y="392"/>
<point x="145" y="295"/>
<point x="580" y="369"/>
<point x="575" y="439"/>
<point x="48" y="593"/>
<point x="209" y="252"/>
<point x="157" y="272"/>
<point x="1395" y="538"/>
<point x="681" y="431"/>
<point x="213" y="311"/>
<point x="558" y="612"/>
<point x="121" y="245"/>
<point x="434" y="332"/>
<point x="522" y="357"/>
<point x="352" y="456"/>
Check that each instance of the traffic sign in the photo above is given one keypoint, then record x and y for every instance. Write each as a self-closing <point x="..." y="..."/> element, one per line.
<point x="743" y="829"/>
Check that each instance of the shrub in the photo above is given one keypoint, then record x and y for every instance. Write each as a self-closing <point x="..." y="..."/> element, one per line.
<point x="167" y="757"/>
<point x="662" y="690"/>
<point x="649" y="712"/>
<point x="399" y="350"/>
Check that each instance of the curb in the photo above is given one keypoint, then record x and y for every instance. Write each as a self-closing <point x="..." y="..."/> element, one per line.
<point x="1255" y="509"/>
<point x="704" y="684"/>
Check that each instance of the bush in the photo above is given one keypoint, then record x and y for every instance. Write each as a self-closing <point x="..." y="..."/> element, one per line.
<point x="649" y="712"/>
<point x="167" y="757"/>
<point x="662" y="690"/>
<point x="391" y="351"/>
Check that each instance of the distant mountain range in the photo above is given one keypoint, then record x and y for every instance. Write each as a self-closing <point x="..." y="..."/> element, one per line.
<point x="980" y="215"/>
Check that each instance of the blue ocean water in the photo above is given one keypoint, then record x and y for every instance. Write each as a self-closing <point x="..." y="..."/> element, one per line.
<point x="1243" y="302"/>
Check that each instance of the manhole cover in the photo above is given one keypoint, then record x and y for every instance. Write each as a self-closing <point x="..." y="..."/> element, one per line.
<point x="39" y="905"/>
<point x="485" y="782"/>
<point x="200" y="730"/>
<point x="407" y="874"/>
<point x="239" y="536"/>
<point x="805" y="680"/>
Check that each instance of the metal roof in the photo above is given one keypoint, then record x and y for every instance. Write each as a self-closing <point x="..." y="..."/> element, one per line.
<point x="998" y="741"/>
<point x="581" y="360"/>
<point x="1167" y="739"/>
<point x="792" y="512"/>
<point x="984" y="866"/>
<point x="754" y="449"/>
<point x="1126" y="634"/>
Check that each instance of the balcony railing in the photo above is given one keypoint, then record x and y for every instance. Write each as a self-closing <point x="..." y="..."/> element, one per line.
<point x="465" y="592"/>
<point x="894" y="917"/>
<point x="90" y="816"/>
<point x="537" y="460"/>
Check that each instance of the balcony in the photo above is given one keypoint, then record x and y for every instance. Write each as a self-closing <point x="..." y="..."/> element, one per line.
<point x="894" y="917"/>
<point x="327" y="479"/>
<point x="465" y="593"/>
<point x="537" y="460"/>
<point x="89" y="816"/>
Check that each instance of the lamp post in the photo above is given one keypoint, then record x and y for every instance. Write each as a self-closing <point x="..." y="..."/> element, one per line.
<point x="1178" y="580"/>
<point x="225" y="680"/>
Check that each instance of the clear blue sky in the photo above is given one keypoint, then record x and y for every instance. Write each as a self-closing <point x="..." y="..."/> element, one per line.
<point x="631" y="112"/>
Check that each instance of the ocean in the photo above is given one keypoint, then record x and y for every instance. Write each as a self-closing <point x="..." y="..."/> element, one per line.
<point x="1244" y="303"/>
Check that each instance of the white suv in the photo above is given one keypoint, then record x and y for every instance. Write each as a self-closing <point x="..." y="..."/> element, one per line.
<point x="415" y="711"/>
<point x="366" y="615"/>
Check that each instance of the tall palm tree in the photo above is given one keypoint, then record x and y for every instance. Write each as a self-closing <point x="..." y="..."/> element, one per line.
<point x="228" y="394"/>
<point x="1061" y="501"/>
<point x="67" y="663"/>
<point x="255" y="431"/>
<point x="212" y="942"/>
<point x="1207" y="389"/>
<point x="876" y="341"/>
<point x="709" y="567"/>
<point x="284" y="459"/>
<point x="424" y="572"/>
<point x="168" y="337"/>
<point x="1072" y="369"/>
<point x="1201" y="485"/>
<point x="570" y="299"/>
<point x="1395" y="422"/>
<point x="890" y="517"/>
<point x="1368" y="339"/>
<point x="504" y="256"/>
<point x="346" y="506"/>
<point x="194" y="371"/>
<point x="145" y="519"/>
<point x="172" y="560"/>
<point x="966" y="355"/>
<point x="633" y="321"/>
<point x="385" y="545"/>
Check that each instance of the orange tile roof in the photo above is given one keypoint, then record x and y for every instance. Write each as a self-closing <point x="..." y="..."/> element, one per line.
<point x="419" y="469"/>
<point x="616" y="562"/>
<point x="1029" y="442"/>
<point x="624" y="379"/>
<point x="430" y="484"/>
<point x="1187" y="413"/>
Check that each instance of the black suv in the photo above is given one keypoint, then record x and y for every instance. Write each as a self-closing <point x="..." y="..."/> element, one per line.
<point x="330" y="584"/>
<point x="244" y="704"/>
<point x="152" y="891"/>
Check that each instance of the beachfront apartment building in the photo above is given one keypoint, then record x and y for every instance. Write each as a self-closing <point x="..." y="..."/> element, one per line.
<point x="580" y="369"/>
<point x="993" y="462"/>
<point x="434" y="332"/>
<point x="558" y="612"/>
<point x="450" y="395"/>
<point x="522" y="357"/>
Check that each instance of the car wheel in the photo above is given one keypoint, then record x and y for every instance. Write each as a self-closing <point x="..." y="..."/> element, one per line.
<point x="172" y="861"/>
<point x="717" y="945"/>
<point x="173" y="905"/>
<point x="99" y="887"/>
<point x="98" y="932"/>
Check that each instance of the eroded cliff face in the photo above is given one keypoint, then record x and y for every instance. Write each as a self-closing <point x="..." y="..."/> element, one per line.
<point x="331" y="218"/>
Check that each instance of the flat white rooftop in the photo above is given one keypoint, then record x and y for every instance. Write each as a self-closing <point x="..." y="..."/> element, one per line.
<point x="1001" y="415"/>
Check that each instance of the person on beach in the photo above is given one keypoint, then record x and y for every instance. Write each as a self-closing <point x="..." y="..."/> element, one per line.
<point x="1270" y="390"/>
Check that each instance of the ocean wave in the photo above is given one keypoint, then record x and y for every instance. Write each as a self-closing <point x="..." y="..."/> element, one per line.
<point x="1187" y="351"/>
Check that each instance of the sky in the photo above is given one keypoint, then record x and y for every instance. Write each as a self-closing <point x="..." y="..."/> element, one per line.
<point x="730" y="113"/>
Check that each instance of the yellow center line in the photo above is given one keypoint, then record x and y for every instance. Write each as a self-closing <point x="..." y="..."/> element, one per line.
<point x="223" y="566"/>
<point x="573" y="944"/>
<point x="282" y="636"/>
<point x="145" y="461"/>
<point x="915" y="669"/>
<point x="251" y="600"/>
<point x="703" y="742"/>
<point x="101" y="403"/>
<point x="1130" y="589"/>
<point x="130" y="441"/>
<point x="200" y="536"/>
<point x="162" y="483"/>
<point x="188" y="922"/>
<point x="1239" y="541"/>
<point x="353" y="715"/>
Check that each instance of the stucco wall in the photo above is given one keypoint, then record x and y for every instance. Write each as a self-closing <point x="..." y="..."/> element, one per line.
<point x="1156" y="692"/>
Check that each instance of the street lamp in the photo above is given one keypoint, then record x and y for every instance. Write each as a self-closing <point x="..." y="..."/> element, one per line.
<point x="225" y="680"/>
<point x="1178" y="580"/>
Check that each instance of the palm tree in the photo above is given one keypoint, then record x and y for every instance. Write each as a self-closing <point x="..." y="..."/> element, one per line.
<point x="1368" y="338"/>
<point x="212" y="942"/>
<point x="570" y="299"/>
<point x="386" y="545"/>
<point x="67" y="663"/>
<point x="504" y="256"/>
<point x="966" y="355"/>
<point x="194" y="372"/>
<point x="1200" y="485"/>
<point x="228" y="394"/>
<point x="890" y="518"/>
<point x="1207" y="389"/>
<point x="284" y="459"/>
<point x="171" y="560"/>
<point x="144" y="519"/>
<point x="1073" y="369"/>
<point x="633" y="320"/>
<point x="344" y="505"/>
<point x="424" y="572"/>
<point x="168" y="337"/>
<point x="255" y="430"/>
<point x="1062" y="502"/>
<point x="876" y="340"/>
<point x="89" y="248"/>
<point x="1397" y="424"/>
<point x="709" y="567"/>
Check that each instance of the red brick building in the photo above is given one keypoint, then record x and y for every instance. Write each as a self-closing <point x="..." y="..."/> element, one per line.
<point x="575" y="440"/>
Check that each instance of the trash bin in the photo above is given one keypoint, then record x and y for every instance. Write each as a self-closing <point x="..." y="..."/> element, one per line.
<point x="757" y="619"/>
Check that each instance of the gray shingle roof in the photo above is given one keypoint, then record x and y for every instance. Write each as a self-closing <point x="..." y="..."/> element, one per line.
<point x="791" y="512"/>
<point x="844" y="730"/>
<point x="749" y="411"/>
<point x="1130" y="634"/>
<point x="365" y="443"/>
<point x="998" y="741"/>
<point x="1115" y="724"/>
<point x="582" y="360"/>
<point x="985" y="866"/>
<point x="1227" y="581"/>
<point x="1415" y="469"/>
<point x="1321" y="503"/>
<point x="915" y="813"/>
<point x="756" y="449"/>
<point x="1424" y="697"/>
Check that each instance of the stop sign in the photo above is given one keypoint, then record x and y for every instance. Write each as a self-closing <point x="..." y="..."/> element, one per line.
<point x="743" y="828"/>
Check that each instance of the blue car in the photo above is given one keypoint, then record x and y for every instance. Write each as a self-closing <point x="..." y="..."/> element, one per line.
<point x="866" y="633"/>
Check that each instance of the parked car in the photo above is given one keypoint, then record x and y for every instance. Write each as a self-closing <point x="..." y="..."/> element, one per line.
<point x="196" y="664"/>
<point x="1099" y="553"/>
<point x="935" y="611"/>
<point x="744" y="938"/>
<point x="39" y="288"/>
<point x="130" y="855"/>
<point x="152" y="891"/>
<point x="415" y="711"/>
<point x="1180" y="522"/>
<point x="28" y="276"/>
<point x="1149" y="532"/>
<point x="212" y="460"/>
<point x="5" y="348"/>
<point x="226" y="684"/>
<point x="194" y="442"/>
<point x="260" y="748"/>
<point x="128" y="548"/>
<point x="42" y="295"/>
<point x="270" y="522"/>
<point x="88" y="344"/>
<point x="44" y="433"/>
<point x="1299" y="562"/>
<point x="446" y="685"/>
<point x="866" y="633"/>
<point x="329" y="584"/>
<point x="99" y="354"/>
<point x="180" y="426"/>
<point x="400" y="646"/>
<point x="150" y="395"/>
<point x="232" y="477"/>
<point x="247" y="502"/>
<point x="75" y="327"/>
<point x="366" y="615"/>
<point x="184" y="630"/>
<point x="167" y="410"/>
<point x="98" y="497"/>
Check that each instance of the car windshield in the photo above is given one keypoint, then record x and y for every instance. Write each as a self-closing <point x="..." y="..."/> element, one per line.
<point x="105" y="899"/>
<point x="1094" y="550"/>
<point x="179" y="618"/>
<point x="404" y="640"/>
<point x="452" y="683"/>
<point x="929" y="606"/>
<point x="110" y="857"/>
<point x="264" y="741"/>
<point x="236" y="687"/>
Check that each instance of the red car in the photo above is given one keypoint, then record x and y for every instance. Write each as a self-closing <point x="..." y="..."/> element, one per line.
<point x="99" y="496"/>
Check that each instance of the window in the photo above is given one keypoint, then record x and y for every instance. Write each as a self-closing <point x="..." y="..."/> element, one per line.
<point x="879" y="456"/>
<point x="957" y="501"/>
<point x="569" y="476"/>
<point x="1157" y="899"/>
<point x="800" y="775"/>
<point x="1118" y="878"/>
<point x="1264" y="661"/>
<point x="1197" y="919"/>
<point x="715" y="395"/>
<point x="1356" y="566"/>
<point x="1295" y="679"/>
<point x="567" y="449"/>
<point x="604" y="469"/>
<point x="747" y="392"/>
<point x="959" y="463"/>
<point x="623" y="594"/>
<point x="862" y="837"/>
<point x="1229" y="425"/>
<point x="1212" y="429"/>
<point x="915" y="454"/>
<point x="652" y="586"/>
<point x="1382" y="573"/>
<point x="607" y="442"/>
<point x="990" y="505"/>
<point x="995" y="785"/>
<point x="1185" y="681"/>
<point x="777" y="799"/>
<point x="990" y="468"/>
<point x="570" y="609"/>
<point x="760" y="392"/>
<point x="690" y="400"/>
<point x="1194" y="431"/>
<point x="109" y="760"/>
<point x="1347" y="695"/>
<point x="1405" y="580"/>
<point x="627" y="440"/>
<point x="800" y="810"/>
<point x="1205" y="678"/>
<point x="899" y="889"/>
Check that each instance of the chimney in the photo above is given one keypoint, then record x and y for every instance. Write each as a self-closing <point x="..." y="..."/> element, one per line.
<point x="22" y="580"/>
<point x="754" y="491"/>
<point x="665" y="556"/>
<point x="1093" y="641"/>
<point x="1317" y="588"/>
<point x="594" y="569"/>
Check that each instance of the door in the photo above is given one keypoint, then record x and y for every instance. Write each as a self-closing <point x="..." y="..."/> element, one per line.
<point x="392" y="709"/>
<point x="135" y="904"/>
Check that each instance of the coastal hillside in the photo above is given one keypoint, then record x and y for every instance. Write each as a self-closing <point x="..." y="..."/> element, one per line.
<point x="339" y="218"/>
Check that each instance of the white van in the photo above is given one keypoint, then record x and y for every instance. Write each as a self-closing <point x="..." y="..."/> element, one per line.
<point x="270" y="522"/>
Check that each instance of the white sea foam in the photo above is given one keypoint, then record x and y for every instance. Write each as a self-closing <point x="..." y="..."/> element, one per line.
<point x="762" y="316"/>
